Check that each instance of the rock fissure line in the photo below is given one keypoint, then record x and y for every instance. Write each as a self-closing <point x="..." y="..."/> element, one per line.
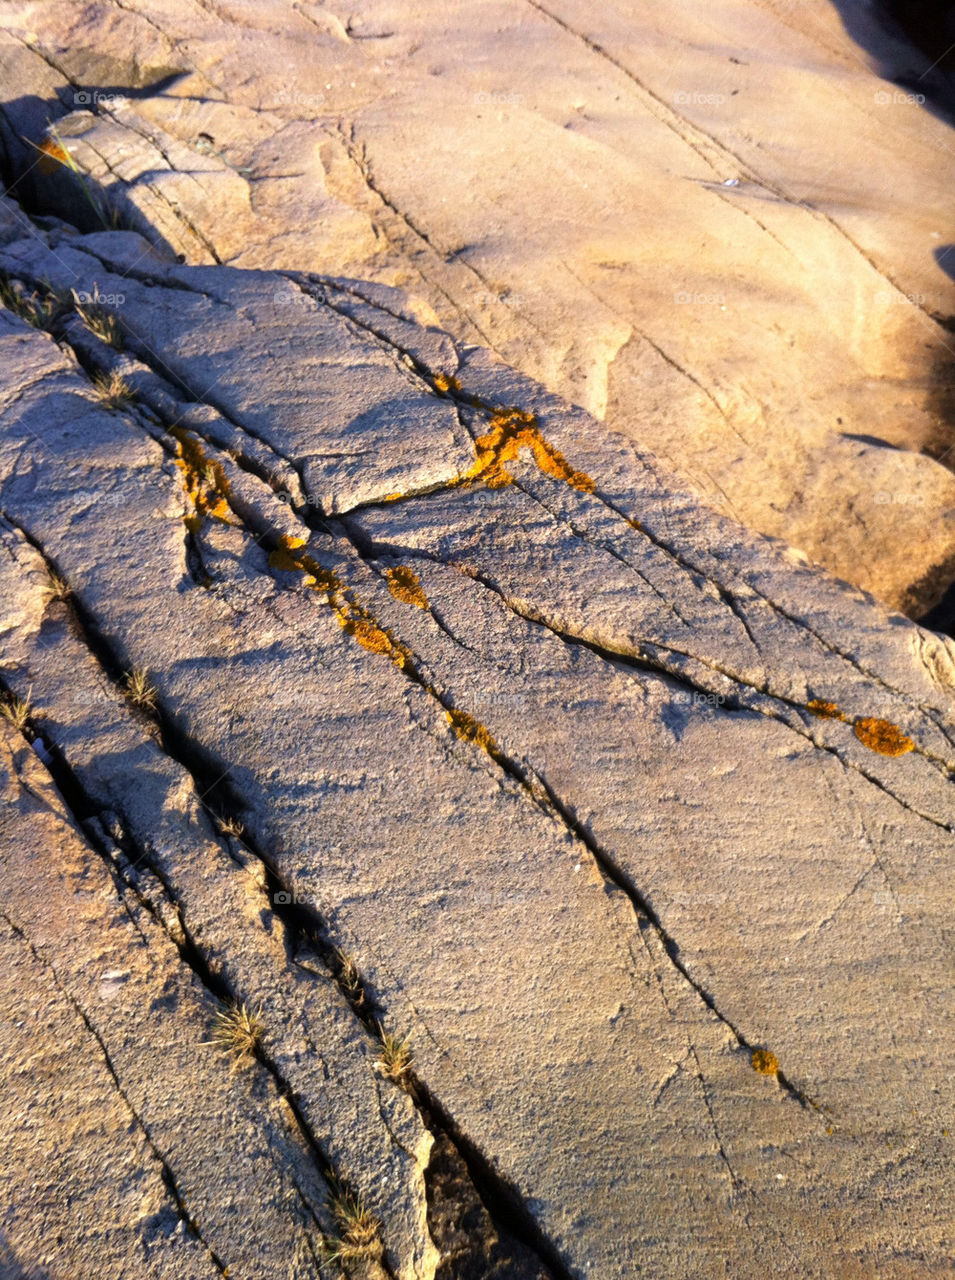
<point x="302" y="922"/>
<point x="83" y="806"/>
<point x="168" y="1176"/>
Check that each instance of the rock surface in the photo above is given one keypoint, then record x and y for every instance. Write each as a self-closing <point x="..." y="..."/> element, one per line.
<point x="459" y="721"/>
<point x="720" y="232"/>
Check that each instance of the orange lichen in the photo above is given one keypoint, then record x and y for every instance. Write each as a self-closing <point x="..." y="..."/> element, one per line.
<point x="511" y="431"/>
<point x="765" y="1063"/>
<point x="361" y="626"/>
<point x="446" y="382"/>
<point x="206" y="484"/>
<point x="470" y="730"/>
<point x="404" y="585"/>
<point x="824" y="710"/>
<point x="882" y="736"/>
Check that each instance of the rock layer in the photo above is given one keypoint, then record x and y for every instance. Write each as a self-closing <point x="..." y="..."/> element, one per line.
<point x="633" y="824"/>
<point x="722" y="233"/>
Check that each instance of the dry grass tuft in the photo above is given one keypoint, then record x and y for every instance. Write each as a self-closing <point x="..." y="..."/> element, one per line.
<point x="138" y="689"/>
<point x="59" y="587"/>
<point x="100" y="322"/>
<point x="40" y="309"/>
<point x="16" y="711"/>
<point x="113" y="390"/>
<point x="395" y="1059"/>
<point x="350" y="977"/>
<point x="231" y="827"/>
<point x="359" y="1230"/>
<point x="237" y="1033"/>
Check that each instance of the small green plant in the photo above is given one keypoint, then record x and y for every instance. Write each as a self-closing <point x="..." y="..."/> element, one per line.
<point x="237" y="1033"/>
<point x="16" y="711"/>
<point x="395" y="1058"/>
<point x="113" y="389"/>
<point x="358" y="1229"/>
<point x="138" y="689"/>
<point x="100" y="322"/>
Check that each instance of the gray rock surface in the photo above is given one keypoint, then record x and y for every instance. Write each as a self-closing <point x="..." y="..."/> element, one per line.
<point x="722" y="233"/>
<point x="637" y="824"/>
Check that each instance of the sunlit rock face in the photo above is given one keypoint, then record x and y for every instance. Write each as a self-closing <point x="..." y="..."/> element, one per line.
<point x="724" y="230"/>
<point x="434" y="842"/>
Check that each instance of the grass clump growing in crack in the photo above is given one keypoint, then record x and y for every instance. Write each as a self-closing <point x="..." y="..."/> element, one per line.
<point x="395" y="1059"/>
<point x="231" y="827"/>
<point x="358" y="1230"/>
<point x="138" y="689"/>
<point x="350" y="978"/>
<point x="16" y="711"/>
<point x="237" y="1033"/>
<point x="59" y="587"/>
<point x="100" y="322"/>
<point x="113" y="390"/>
<point x="40" y="309"/>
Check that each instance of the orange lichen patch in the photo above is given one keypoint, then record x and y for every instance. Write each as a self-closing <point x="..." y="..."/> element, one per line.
<point x="824" y="710"/>
<point x="446" y="382"/>
<point x="361" y="626"/>
<point x="354" y="619"/>
<point x="285" y="559"/>
<point x="511" y="431"/>
<point x="206" y="484"/>
<point x="404" y="584"/>
<point x="765" y="1063"/>
<point x="470" y="730"/>
<point x="882" y="736"/>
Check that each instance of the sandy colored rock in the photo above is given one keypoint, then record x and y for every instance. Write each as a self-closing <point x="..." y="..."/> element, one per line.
<point x="587" y="805"/>
<point x="682" y="222"/>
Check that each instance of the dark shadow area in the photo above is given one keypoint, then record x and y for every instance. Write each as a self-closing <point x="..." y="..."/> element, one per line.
<point x="910" y="43"/>
<point x="46" y="187"/>
<point x="875" y="441"/>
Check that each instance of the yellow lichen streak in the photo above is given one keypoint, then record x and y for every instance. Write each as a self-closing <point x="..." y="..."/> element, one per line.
<point x="824" y="710"/>
<point x="470" y="730"/>
<point x="404" y="585"/>
<point x="512" y="430"/>
<point x="207" y="487"/>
